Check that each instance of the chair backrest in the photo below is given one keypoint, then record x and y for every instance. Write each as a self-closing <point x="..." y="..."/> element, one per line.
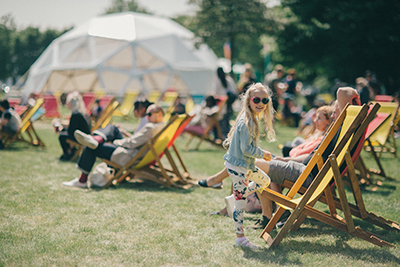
<point x="383" y="98"/>
<point x="26" y="121"/>
<point x="381" y="134"/>
<point x="106" y="100"/>
<point x="162" y="140"/>
<point x="105" y="116"/>
<point x="154" y="96"/>
<point x="127" y="104"/>
<point x="50" y="104"/>
<point x="88" y="99"/>
<point x="14" y="101"/>
<point x="376" y="122"/>
<point x="347" y="123"/>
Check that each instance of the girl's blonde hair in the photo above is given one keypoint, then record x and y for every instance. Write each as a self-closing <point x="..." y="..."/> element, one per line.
<point x="75" y="100"/>
<point x="251" y="121"/>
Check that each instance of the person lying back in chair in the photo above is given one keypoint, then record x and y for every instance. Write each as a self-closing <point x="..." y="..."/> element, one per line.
<point x="120" y="151"/>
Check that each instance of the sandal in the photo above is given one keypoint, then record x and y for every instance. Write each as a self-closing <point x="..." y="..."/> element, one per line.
<point x="203" y="183"/>
<point x="217" y="213"/>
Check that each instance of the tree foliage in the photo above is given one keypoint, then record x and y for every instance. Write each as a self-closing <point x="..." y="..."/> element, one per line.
<point x="241" y="23"/>
<point x="118" y="6"/>
<point x="340" y="39"/>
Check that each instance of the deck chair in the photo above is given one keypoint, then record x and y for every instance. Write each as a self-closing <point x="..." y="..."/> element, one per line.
<point x="13" y="101"/>
<point x="383" y="98"/>
<point x="88" y="99"/>
<point x="50" y="104"/>
<point x="154" y="96"/>
<point x="204" y="135"/>
<point x="152" y="151"/>
<point x="383" y="140"/>
<point x="27" y="127"/>
<point x="127" y="104"/>
<point x="366" y="173"/>
<point x="351" y="118"/>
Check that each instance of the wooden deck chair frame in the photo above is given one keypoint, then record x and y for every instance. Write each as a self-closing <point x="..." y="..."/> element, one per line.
<point x="383" y="138"/>
<point x="303" y="206"/>
<point x="149" y="153"/>
<point x="27" y="127"/>
<point x="358" y="208"/>
<point x="100" y="123"/>
<point x="205" y="136"/>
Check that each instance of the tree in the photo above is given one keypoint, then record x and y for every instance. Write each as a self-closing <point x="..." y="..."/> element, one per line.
<point x="240" y="23"/>
<point x="7" y="29"/>
<point x="340" y="39"/>
<point x="118" y="6"/>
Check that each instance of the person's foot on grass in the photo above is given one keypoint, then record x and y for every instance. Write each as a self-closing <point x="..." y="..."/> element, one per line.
<point x="75" y="183"/>
<point x="245" y="243"/>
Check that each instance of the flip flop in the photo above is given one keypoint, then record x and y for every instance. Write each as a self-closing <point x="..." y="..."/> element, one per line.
<point x="203" y="183"/>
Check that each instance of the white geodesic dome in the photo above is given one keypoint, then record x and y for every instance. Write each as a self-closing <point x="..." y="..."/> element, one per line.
<point x="121" y="52"/>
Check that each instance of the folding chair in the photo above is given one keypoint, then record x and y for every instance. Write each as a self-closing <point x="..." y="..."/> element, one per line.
<point x="127" y="105"/>
<point x="383" y="140"/>
<point x="153" y="151"/>
<point x="14" y="101"/>
<point x="89" y="98"/>
<point x="374" y="125"/>
<point x="154" y="96"/>
<point x="27" y="127"/>
<point x="352" y="117"/>
<point x="383" y="98"/>
<point x="51" y="106"/>
<point x="204" y="135"/>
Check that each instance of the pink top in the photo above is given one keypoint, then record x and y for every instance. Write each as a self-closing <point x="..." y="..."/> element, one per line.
<point x="305" y="148"/>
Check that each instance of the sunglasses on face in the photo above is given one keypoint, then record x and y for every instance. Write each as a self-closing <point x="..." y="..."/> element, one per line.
<point x="257" y="100"/>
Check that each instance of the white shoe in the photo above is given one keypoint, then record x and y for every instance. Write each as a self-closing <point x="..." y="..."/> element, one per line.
<point x="75" y="183"/>
<point x="230" y="204"/>
<point x="85" y="139"/>
<point x="246" y="244"/>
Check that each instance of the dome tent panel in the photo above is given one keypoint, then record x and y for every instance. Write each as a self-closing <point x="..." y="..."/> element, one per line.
<point x="113" y="82"/>
<point x="104" y="47"/>
<point x="121" y="60"/>
<point x="145" y="60"/>
<point x="70" y="80"/>
<point x="157" y="80"/>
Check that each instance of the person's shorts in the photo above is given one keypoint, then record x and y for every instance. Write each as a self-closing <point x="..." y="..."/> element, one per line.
<point x="291" y="171"/>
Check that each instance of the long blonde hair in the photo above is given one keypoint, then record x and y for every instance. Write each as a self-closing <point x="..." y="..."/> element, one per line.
<point x="75" y="101"/>
<point x="251" y="121"/>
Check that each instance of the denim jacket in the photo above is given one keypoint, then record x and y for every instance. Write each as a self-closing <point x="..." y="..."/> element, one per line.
<point x="243" y="149"/>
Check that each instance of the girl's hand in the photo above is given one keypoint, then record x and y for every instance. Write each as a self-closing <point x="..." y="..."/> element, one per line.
<point x="267" y="155"/>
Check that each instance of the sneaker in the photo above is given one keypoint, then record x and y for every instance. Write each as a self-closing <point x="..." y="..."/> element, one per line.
<point x="75" y="183"/>
<point x="230" y="204"/>
<point x="85" y="139"/>
<point x="245" y="243"/>
<point x="260" y="223"/>
<point x="282" y="219"/>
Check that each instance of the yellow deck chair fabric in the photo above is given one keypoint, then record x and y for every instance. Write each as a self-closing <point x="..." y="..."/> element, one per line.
<point x="151" y="151"/>
<point x="105" y="117"/>
<point x="380" y="137"/>
<point x="154" y="96"/>
<point x="127" y="105"/>
<point x="303" y="206"/>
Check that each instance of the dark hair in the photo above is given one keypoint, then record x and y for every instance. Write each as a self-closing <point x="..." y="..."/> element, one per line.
<point x="222" y="77"/>
<point x="144" y="103"/>
<point x="210" y="101"/>
<point x="5" y="104"/>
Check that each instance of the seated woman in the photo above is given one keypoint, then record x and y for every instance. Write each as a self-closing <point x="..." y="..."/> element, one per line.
<point x="10" y="122"/>
<point x="79" y="120"/>
<point x="322" y="121"/>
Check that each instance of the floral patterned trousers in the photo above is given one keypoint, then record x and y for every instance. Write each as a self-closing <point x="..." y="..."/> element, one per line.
<point x="242" y="188"/>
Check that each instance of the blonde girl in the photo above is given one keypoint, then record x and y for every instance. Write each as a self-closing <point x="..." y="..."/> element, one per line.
<point x="243" y="141"/>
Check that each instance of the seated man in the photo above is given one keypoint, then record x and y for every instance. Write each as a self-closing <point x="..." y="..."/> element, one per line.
<point x="120" y="151"/>
<point x="290" y="169"/>
<point x="10" y="122"/>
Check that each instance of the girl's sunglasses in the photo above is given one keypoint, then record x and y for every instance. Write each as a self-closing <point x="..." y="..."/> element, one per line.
<point x="257" y="100"/>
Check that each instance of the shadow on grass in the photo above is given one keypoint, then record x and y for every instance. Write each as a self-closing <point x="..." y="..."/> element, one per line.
<point x="290" y="252"/>
<point x="148" y="186"/>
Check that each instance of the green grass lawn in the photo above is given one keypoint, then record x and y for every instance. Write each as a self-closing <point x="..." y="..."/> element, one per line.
<point x="43" y="223"/>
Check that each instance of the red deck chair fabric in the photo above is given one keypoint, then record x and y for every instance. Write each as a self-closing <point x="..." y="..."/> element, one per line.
<point x="14" y="101"/>
<point x="105" y="101"/>
<point x="89" y="98"/>
<point x="50" y="104"/>
<point x="384" y="98"/>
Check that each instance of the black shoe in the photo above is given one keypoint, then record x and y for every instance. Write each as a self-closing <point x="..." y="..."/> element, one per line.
<point x="282" y="219"/>
<point x="203" y="183"/>
<point x="260" y="223"/>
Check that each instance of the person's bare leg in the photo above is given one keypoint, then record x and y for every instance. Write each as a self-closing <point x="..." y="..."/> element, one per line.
<point x="218" y="177"/>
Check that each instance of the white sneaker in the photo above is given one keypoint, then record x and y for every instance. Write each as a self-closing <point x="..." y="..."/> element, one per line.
<point x="85" y="139"/>
<point x="246" y="244"/>
<point x="75" y="183"/>
<point x="230" y="204"/>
